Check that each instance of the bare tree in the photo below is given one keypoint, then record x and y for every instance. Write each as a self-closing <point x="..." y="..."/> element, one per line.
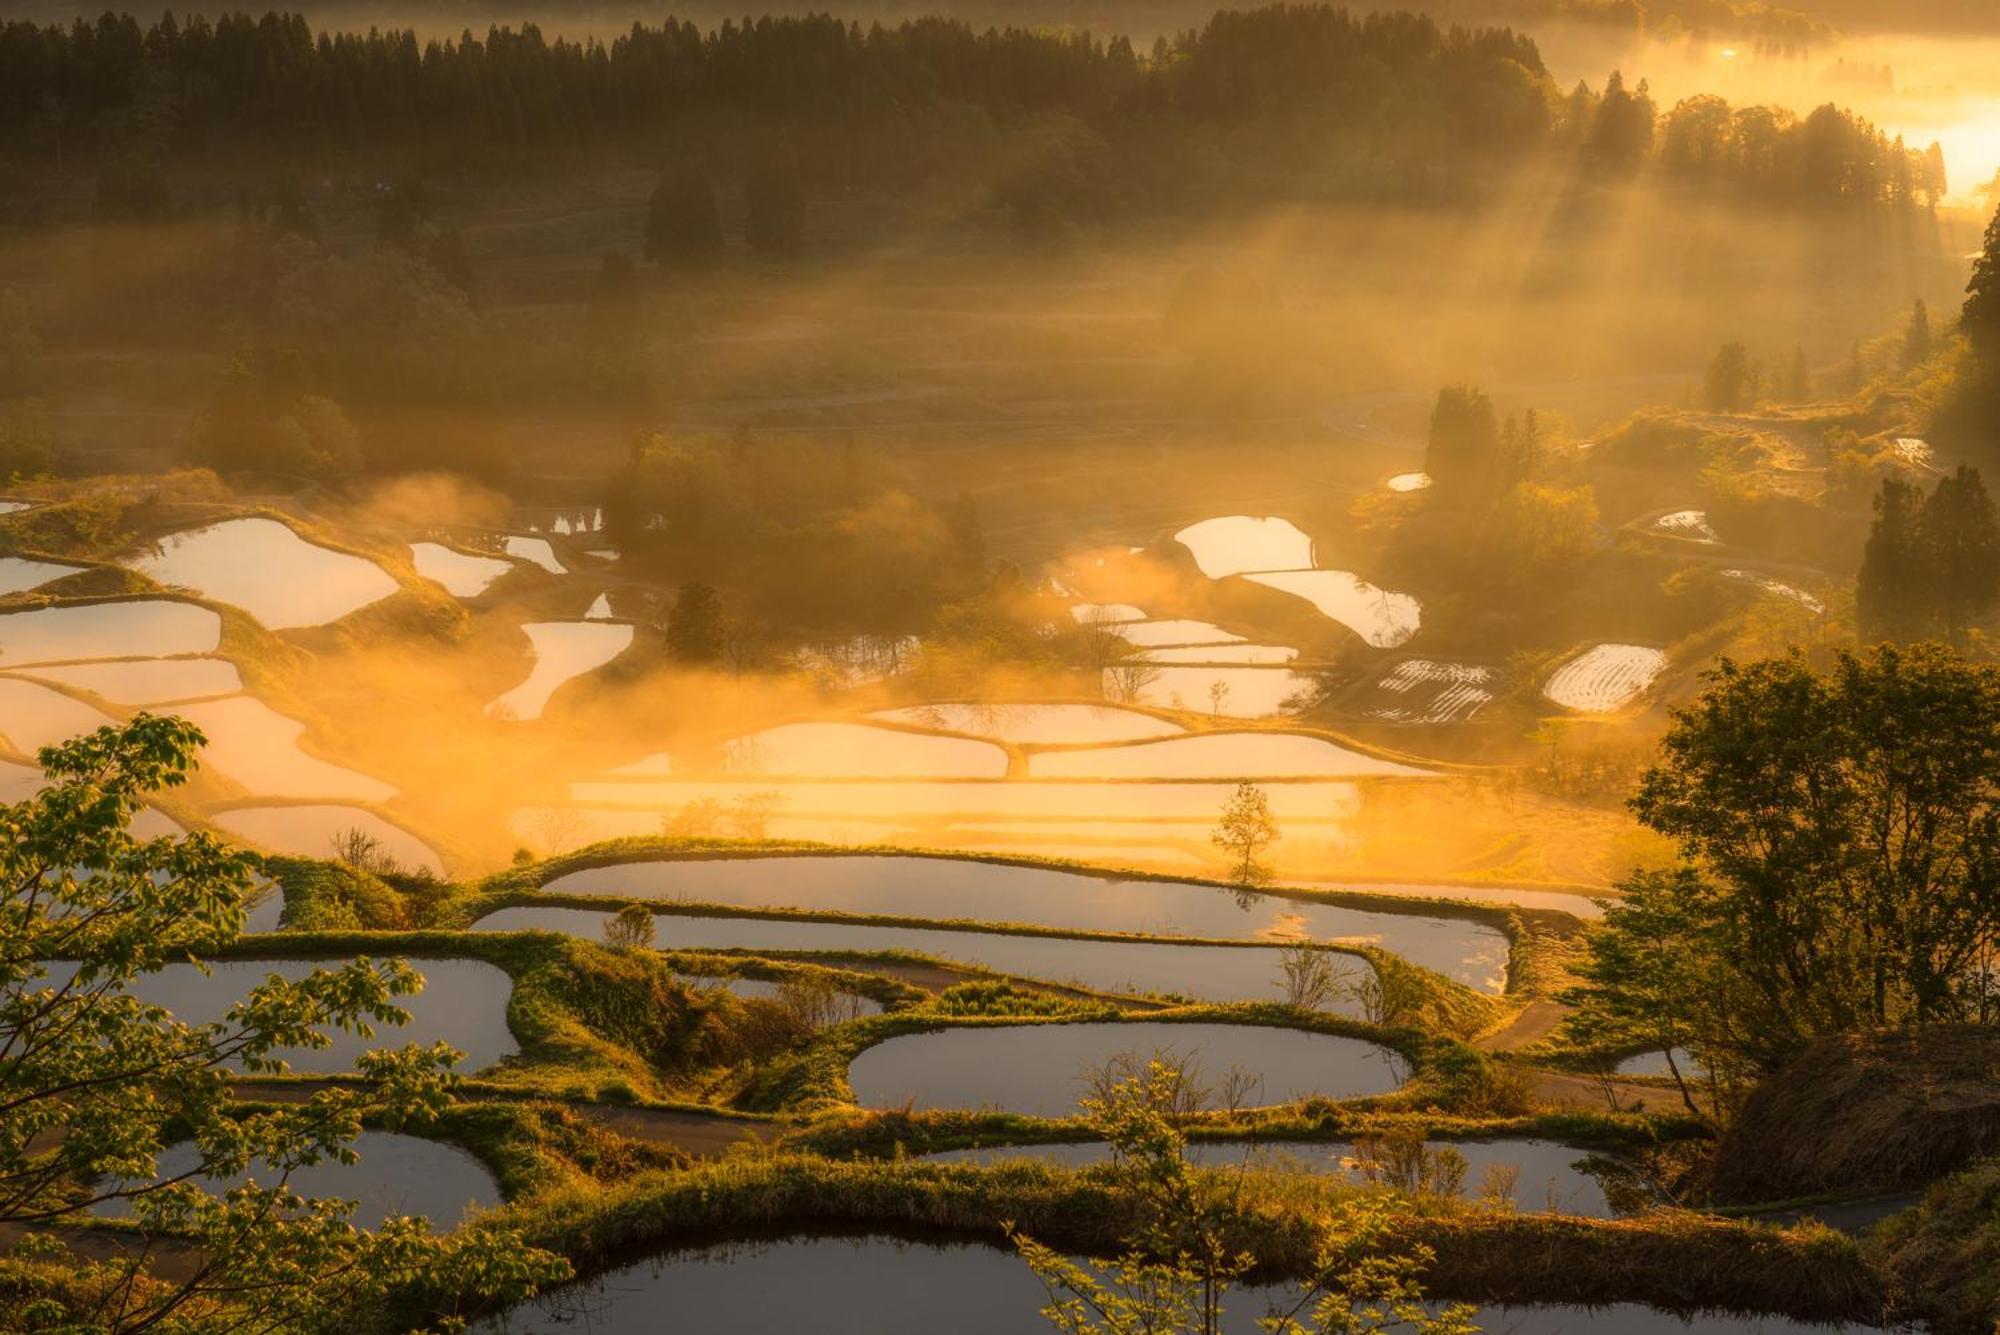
<point x="817" y="1004"/>
<point x="1244" y="831"/>
<point x="1310" y="978"/>
<point x="362" y="851"/>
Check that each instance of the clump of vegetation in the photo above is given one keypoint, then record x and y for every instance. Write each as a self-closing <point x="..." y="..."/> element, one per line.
<point x="999" y="998"/>
<point x="1245" y="829"/>
<point x="1945" y="1253"/>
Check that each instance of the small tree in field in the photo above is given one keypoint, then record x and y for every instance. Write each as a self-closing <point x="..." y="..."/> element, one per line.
<point x="1245" y="830"/>
<point x="1184" y="1253"/>
<point x="631" y="928"/>
<point x="1309" y="976"/>
<point x="94" y="1082"/>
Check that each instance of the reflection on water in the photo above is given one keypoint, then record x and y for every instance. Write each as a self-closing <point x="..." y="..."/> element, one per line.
<point x="1546" y="1175"/>
<point x="562" y="650"/>
<point x="1219" y="755"/>
<point x="397" y="1175"/>
<point x="1042" y="1070"/>
<point x="18" y="573"/>
<point x="259" y="748"/>
<point x="137" y="628"/>
<point x="463" y="1003"/>
<point x="1265" y="654"/>
<point x="1604" y="677"/>
<point x="1234" y="544"/>
<point x="855" y="750"/>
<point x="1150" y="633"/>
<point x="149" y="681"/>
<point x="33" y="716"/>
<point x="886" y="1286"/>
<point x="310" y="831"/>
<point x="1232" y="692"/>
<point x="536" y="551"/>
<point x="1317" y="801"/>
<point x="1035" y="725"/>
<point x="1205" y="973"/>
<point x="463" y="575"/>
<point x="263" y="567"/>
<point x="961" y="889"/>
<point x="1382" y="618"/>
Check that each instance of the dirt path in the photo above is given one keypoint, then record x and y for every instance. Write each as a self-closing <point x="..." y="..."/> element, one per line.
<point x="1530" y="1025"/>
<point x="698" y="1135"/>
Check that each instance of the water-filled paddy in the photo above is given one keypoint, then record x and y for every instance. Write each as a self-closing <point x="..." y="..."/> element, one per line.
<point x="1409" y="482"/>
<point x="1550" y="1176"/>
<point x="1382" y="618"/>
<point x="1041" y="1070"/>
<point x="1148" y="634"/>
<point x="1219" y="755"/>
<point x="1036" y="725"/>
<point x="464" y="1003"/>
<point x="1692" y="525"/>
<point x="562" y="650"/>
<point x="33" y="716"/>
<point x="1655" y="1063"/>
<point x="1604" y="677"/>
<point x="599" y="609"/>
<point x="1205" y="973"/>
<point x="462" y="574"/>
<point x="134" y="628"/>
<point x="263" y="567"/>
<point x="310" y="831"/>
<point x="1247" y="692"/>
<point x="886" y="1286"/>
<point x="1778" y="587"/>
<point x="149" y="681"/>
<point x="18" y="573"/>
<point x="856" y="750"/>
<point x="536" y="551"/>
<point x="1220" y="653"/>
<point x="1234" y="544"/>
<point x="259" y="748"/>
<point x="765" y="989"/>
<point x="397" y="1175"/>
<point x="1105" y="614"/>
<point x="968" y="890"/>
<point x="989" y="800"/>
<point x="1423" y="690"/>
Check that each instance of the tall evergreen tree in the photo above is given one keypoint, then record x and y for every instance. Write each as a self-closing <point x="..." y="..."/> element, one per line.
<point x="1889" y="597"/>
<point x="1981" y="315"/>
<point x="1917" y="336"/>
<point x="1465" y="441"/>
<point x="1732" y="380"/>
<point x="1961" y="546"/>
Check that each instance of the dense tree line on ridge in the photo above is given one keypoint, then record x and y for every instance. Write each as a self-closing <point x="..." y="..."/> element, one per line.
<point x="1286" y="100"/>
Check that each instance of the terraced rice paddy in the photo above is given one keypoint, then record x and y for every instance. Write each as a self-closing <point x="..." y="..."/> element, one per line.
<point x="1203" y="973"/>
<point x="33" y="716"/>
<point x="858" y="751"/>
<point x="125" y="628"/>
<point x="148" y="681"/>
<point x="849" y="1006"/>
<point x="1692" y="525"/>
<point x="1778" y="588"/>
<point x="1407" y="482"/>
<point x="1105" y="614"/>
<point x="964" y="889"/>
<point x="535" y="551"/>
<point x="259" y="748"/>
<point x="311" y="831"/>
<point x="1220" y="653"/>
<point x="890" y="1286"/>
<point x="563" y="650"/>
<point x="462" y="574"/>
<point x="396" y="1175"/>
<point x="1247" y="692"/>
<point x="1547" y="1176"/>
<point x="1033" y="724"/>
<point x="1148" y="634"/>
<point x="1236" y="544"/>
<point x="1220" y="755"/>
<point x="19" y="574"/>
<point x="1427" y="691"/>
<point x="1381" y="618"/>
<point x="1042" y="1070"/>
<point x="263" y="567"/>
<point x="1604" y="678"/>
<point x="463" y="1003"/>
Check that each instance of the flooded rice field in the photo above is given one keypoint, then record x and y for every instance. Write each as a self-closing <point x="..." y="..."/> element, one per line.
<point x="263" y="567"/>
<point x="1237" y="544"/>
<point x="462" y="574"/>
<point x="1221" y="755"/>
<point x="856" y="750"/>
<point x="1691" y="525"/>
<point x="1777" y="587"/>
<point x="1152" y="634"/>
<point x="874" y="1285"/>
<point x="1407" y="482"/>
<point x="1381" y="618"/>
<point x="1219" y="653"/>
<point x="148" y="681"/>
<point x="1201" y="973"/>
<point x="397" y="1175"/>
<point x="1035" y="724"/>
<point x="956" y="889"/>
<point x="1604" y="678"/>
<point x="33" y="716"/>
<point x="128" y="628"/>
<point x="1423" y="690"/>
<point x="846" y="1005"/>
<point x="321" y="831"/>
<point x="1229" y="692"/>
<point x="1043" y="1070"/>
<point x="18" y="574"/>
<point x="1105" y="614"/>
<point x="562" y="650"/>
<point x="1541" y="1175"/>
<point x="981" y="800"/>
<point x="535" y="551"/>
<point x="463" y="1003"/>
<point x="259" y="748"/>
